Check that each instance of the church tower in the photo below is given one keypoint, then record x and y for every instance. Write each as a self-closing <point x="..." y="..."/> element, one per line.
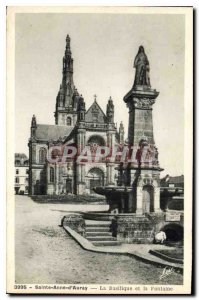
<point x="67" y="98"/>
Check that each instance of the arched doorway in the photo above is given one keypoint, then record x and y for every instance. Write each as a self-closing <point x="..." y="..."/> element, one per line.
<point x="148" y="199"/>
<point x="174" y="232"/>
<point x="95" y="178"/>
<point x="96" y="139"/>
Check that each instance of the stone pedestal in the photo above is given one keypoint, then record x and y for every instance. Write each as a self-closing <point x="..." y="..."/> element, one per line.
<point x="140" y="104"/>
<point x="144" y="172"/>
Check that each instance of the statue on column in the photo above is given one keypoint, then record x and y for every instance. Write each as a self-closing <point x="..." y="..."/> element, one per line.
<point x="141" y="64"/>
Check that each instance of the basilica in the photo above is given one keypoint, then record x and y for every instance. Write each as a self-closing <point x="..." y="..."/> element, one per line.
<point x="74" y="125"/>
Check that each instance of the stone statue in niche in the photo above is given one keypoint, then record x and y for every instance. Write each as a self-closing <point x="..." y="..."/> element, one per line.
<point x="156" y="154"/>
<point x="141" y="64"/>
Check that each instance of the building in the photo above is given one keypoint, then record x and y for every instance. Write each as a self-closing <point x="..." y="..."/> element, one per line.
<point x="21" y="173"/>
<point x="172" y="191"/>
<point x="172" y="182"/>
<point x="75" y="126"/>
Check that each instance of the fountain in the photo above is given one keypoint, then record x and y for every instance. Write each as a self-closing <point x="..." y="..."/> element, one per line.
<point x="135" y="201"/>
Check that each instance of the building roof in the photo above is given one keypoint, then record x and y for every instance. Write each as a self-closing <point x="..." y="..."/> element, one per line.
<point x="172" y="180"/>
<point x="96" y="110"/>
<point x="52" y="132"/>
<point x="21" y="155"/>
<point x="176" y="179"/>
<point x="21" y="159"/>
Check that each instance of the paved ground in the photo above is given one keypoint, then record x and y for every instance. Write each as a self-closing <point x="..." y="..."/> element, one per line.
<point x="46" y="254"/>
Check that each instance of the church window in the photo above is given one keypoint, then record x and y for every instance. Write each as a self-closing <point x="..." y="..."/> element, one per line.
<point x="42" y="155"/>
<point x="26" y="163"/>
<point x="17" y="171"/>
<point x="17" y="162"/>
<point x="68" y="121"/>
<point x="52" y="174"/>
<point x="95" y="117"/>
<point x="17" y="180"/>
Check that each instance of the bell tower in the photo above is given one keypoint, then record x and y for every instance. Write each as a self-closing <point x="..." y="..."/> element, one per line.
<point x="66" y="102"/>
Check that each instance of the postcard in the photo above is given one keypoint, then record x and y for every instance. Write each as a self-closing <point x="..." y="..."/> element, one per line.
<point x="99" y="170"/>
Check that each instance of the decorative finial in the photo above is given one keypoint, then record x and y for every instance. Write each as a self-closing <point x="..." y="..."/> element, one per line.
<point x="121" y="128"/>
<point x="67" y="43"/>
<point x="110" y="101"/>
<point x="67" y="39"/>
<point x="95" y="98"/>
<point x="34" y="122"/>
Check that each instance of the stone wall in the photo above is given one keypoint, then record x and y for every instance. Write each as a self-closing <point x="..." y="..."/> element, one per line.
<point x="135" y="229"/>
<point x="75" y="222"/>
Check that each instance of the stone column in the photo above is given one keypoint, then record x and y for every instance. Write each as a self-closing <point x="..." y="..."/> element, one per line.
<point x="107" y="172"/>
<point x="110" y="179"/>
<point x="112" y="174"/>
<point x="80" y="179"/>
<point x="122" y="203"/>
<point x="157" y="200"/>
<point x="130" y="202"/>
<point x="56" y="179"/>
<point x="33" y="181"/>
<point x="139" y="209"/>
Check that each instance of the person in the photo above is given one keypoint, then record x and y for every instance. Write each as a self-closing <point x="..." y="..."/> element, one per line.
<point x="160" y="237"/>
<point x="114" y="227"/>
<point x="141" y="64"/>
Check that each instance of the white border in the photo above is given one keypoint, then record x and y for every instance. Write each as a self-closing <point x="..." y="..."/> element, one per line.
<point x="189" y="71"/>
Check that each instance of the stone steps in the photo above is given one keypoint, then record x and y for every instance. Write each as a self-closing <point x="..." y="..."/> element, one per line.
<point x="97" y="229"/>
<point x="98" y="233"/>
<point x="94" y="222"/>
<point x="98" y="225"/>
<point x="101" y="238"/>
<point x="106" y="243"/>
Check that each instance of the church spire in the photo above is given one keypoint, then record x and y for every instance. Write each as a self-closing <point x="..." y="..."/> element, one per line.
<point x="67" y="80"/>
<point x="65" y="99"/>
<point x="110" y="111"/>
<point x="67" y="45"/>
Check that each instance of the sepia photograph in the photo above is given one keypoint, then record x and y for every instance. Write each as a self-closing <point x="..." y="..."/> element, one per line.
<point x="99" y="171"/>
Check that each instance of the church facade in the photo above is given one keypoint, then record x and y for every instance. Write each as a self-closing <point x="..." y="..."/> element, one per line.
<point x="74" y="126"/>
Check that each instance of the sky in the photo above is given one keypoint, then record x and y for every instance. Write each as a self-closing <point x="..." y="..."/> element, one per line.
<point x="103" y="48"/>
